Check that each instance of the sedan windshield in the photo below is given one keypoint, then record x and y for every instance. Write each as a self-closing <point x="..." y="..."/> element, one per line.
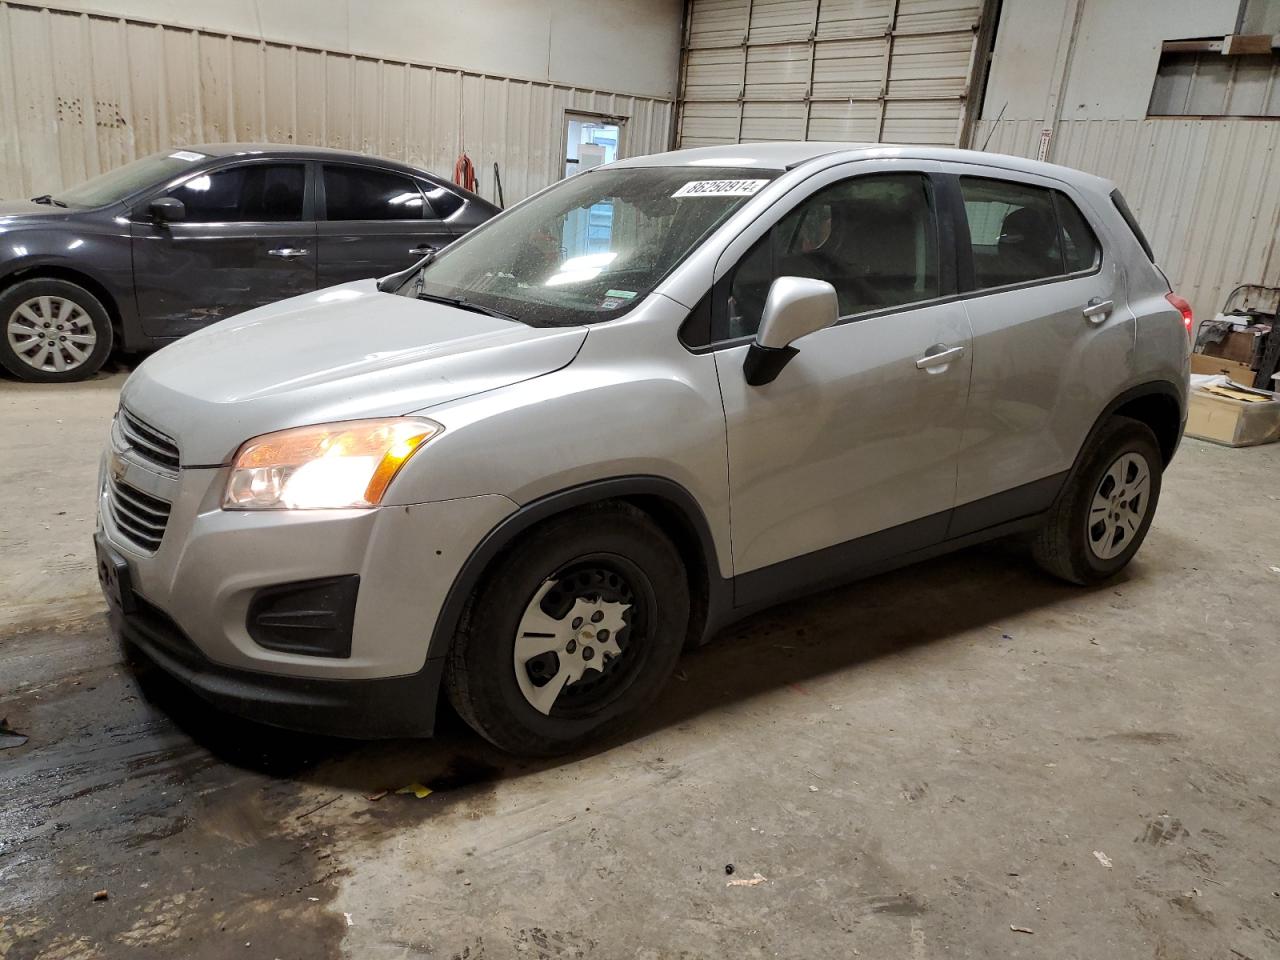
<point x="590" y="248"/>
<point x="115" y="185"/>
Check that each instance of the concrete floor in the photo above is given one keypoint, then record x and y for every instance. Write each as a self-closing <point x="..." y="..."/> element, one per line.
<point x="915" y="765"/>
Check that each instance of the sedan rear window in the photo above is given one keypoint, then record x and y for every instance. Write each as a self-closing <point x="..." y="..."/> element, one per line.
<point x="353" y="193"/>
<point x="591" y="247"/>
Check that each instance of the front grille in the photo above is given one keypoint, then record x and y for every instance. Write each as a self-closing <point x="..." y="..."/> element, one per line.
<point x="147" y="442"/>
<point x="140" y="517"/>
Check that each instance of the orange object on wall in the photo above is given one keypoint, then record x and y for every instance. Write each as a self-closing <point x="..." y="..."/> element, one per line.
<point x="464" y="173"/>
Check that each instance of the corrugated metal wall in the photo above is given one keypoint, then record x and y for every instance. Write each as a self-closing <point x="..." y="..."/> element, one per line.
<point x="877" y="70"/>
<point x="1207" y="192"/>
<point x="80" y="94"/>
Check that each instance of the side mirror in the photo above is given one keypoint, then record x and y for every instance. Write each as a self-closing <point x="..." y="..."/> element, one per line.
<point x="795" y="308"/>
<point x="167" y="210"/>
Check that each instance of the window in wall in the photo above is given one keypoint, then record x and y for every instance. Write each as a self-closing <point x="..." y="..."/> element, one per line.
<point x="589" y="142"/>
<point x="253" y="193"/>
<point x="875" y="239"/>
<point x="352" y="193"/>
<point x="1207" y="83"/>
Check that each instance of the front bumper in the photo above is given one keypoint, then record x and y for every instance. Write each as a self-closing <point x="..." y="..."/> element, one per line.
<point x="195" y="591"/>
<point x="363" y="709"/>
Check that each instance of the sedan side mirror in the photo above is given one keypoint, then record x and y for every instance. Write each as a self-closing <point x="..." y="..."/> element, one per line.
<point x="795" y="308"/>
<point x="167" y="210"/>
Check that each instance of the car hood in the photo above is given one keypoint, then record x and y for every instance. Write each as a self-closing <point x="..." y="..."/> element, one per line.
<point x="12" y="211"/>
<point x="346" y="352"/>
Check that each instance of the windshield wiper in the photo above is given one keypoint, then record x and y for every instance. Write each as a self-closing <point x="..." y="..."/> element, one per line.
<point x="466" y="305"/>
<point x="49" y="199"/>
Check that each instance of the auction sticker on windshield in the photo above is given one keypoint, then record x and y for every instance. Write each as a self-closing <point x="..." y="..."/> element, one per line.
<point x="719" y="188"/>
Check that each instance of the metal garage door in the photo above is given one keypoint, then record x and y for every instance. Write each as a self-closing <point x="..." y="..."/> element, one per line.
<point x="871" y="70"/>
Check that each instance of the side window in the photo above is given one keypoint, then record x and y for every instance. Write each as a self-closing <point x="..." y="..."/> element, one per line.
<point x="1080" y="249"/>
<point x="1013" y="230"/>
<point x="443" y="202"/>
<point x="252" y="193"/>
<point x="874" y="238"/>
<point x="354" y="193"/>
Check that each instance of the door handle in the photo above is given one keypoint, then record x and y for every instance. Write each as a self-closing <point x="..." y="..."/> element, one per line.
<point x="288" y="252"/>
<point x="943" y="356"/>
<point x="1097" y="310"/>
<point x="422" y="248"/>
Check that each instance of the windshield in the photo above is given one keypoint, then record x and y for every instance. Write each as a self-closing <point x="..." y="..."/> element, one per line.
<point x="123" y="181"/>
<point x="591" y="247"/>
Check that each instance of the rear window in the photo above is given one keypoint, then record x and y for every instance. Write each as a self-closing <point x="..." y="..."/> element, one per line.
<point x="1020" y="233"/>
<point x="355" y="193"/>
<point x="1123" y="209"/>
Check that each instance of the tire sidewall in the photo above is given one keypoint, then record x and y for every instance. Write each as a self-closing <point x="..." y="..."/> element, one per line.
<point x="501" y="603"/>
<point x="49" y="286"/>
<point x="1125" y="436"/>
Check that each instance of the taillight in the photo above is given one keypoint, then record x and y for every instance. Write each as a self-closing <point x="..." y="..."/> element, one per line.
<point x="1183" y="308"/>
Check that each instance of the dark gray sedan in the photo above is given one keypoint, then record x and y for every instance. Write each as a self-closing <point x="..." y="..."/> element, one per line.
<point x="178" y="240"/>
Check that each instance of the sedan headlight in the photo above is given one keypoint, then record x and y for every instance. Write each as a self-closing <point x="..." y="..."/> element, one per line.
<point x="329" y="465"/>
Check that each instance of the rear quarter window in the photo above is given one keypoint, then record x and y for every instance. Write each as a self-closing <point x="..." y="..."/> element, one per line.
<point x="1080" y="249"/>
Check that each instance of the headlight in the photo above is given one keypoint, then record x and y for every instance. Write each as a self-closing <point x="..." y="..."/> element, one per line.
<point x="329" y="465"/>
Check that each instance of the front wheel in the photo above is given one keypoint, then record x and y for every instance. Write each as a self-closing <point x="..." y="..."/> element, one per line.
<point x="572" y="634"/>
<point x="55" y="331"/>
<point x="1103" y="514"/>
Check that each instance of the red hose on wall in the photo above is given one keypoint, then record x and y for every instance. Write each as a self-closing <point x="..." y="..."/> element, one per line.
<point x="464" y="173"/>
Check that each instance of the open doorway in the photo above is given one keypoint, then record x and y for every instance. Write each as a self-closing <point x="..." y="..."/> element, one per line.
<point x="590" y="140"/>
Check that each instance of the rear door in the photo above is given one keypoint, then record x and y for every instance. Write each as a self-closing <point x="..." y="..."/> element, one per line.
<point x="373" y="222"/>
<point x="248" y="239"/>
<point x="1053" y="337"/>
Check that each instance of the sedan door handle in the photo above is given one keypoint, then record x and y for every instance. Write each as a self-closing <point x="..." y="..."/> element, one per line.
<point x="944" y="356"/>
<point x="1097" y="310"/>
<point x="288" y="252"/>
<point x="422" y="249"/>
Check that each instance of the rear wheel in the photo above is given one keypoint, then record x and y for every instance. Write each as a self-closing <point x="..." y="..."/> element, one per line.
<point x="55" y="331"/>
<point x="572" y="633"/>
<point x="1103" y="515"/>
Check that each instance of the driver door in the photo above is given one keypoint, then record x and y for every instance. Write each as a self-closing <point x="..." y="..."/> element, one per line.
<point x="850" y="455"/>
<point x="246" y="240"/>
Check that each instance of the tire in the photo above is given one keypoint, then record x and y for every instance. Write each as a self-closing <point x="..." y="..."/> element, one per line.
<point x="1097" y="525"/>
<point x="43" y="307"/>
<point x="540" y="582"/>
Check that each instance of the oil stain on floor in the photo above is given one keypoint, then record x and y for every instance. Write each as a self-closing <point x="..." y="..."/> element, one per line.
<point x="210" y="836"/>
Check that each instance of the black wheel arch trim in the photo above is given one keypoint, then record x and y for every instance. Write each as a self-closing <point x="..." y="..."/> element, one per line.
<point x="719" y="590"/>
<point x="1165" y="388"/>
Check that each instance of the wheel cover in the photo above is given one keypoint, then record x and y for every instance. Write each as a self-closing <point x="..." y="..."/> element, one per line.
<point x="51" y="334"/>
<point x="574" y="638"/>
<point x="1120" y="504"/>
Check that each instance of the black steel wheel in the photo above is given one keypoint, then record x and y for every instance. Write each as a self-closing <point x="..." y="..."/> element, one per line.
<point x="573" y="632"/>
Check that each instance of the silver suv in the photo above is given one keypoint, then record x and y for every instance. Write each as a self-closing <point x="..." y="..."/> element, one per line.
<point x="641" y="404"/>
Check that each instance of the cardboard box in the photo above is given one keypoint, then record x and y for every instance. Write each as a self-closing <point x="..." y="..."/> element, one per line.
<point x="1241" y="373"/>
<point x="1237" y="418"/>
<point x="1238" y="345"/>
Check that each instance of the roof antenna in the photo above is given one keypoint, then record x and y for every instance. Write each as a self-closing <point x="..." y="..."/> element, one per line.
<point x="991" y="132"/>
